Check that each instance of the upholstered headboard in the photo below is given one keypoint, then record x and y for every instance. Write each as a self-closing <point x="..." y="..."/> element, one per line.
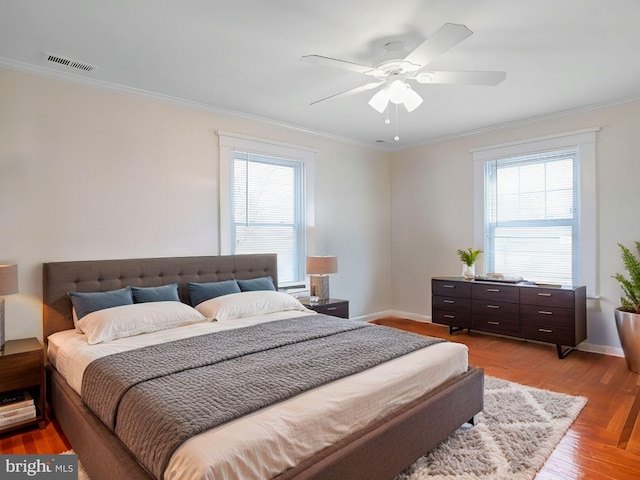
<point x="59" y="278"/>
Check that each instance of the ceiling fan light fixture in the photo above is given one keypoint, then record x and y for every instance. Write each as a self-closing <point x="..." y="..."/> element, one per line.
<point x="380" y="100"/>
<point x="397" y="91"/>
<point x="411" y="99"/>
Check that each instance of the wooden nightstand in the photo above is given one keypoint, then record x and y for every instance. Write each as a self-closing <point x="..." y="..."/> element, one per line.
<point x="332" y="306"/>
<point x="22" y="368"/>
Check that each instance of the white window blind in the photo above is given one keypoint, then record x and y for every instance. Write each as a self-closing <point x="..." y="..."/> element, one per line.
<point x="268" y="210"/>
<point x="550" y="213"/>
<point x="531" y="216"/>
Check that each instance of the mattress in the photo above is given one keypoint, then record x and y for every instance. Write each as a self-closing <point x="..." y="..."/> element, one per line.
<point x="267" y="442"/>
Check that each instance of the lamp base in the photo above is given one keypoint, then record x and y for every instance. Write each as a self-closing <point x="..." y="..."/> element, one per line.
<point x="319" y="286"/>
<point x="1" y="324"/>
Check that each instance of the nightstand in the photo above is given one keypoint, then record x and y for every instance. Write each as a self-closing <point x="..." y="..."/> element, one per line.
<point x="332" y="306"/>
<point x="22" y="368"/>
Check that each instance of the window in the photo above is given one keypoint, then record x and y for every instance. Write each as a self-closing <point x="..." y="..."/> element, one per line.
<point x="535" y="208"/>
<point x="266" y="201"/>
<point x="531" y="214"/>
<point x="268" y="211"/>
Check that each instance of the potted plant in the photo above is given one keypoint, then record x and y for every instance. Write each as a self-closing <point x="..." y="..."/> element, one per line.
<point x="628" y="314"/>
<point x="468" y="258"/>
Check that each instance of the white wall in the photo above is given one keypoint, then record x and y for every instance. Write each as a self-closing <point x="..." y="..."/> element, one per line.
<point x="89" y="174"/>
<point x="432" y="210"/>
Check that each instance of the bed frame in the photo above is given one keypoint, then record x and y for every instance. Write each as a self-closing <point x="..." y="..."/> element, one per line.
<point x="380" y="451"/>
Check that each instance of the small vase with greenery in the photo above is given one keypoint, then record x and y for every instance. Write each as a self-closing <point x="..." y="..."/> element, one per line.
<point x="628" y="314"/>
<point x="468" y="258"/>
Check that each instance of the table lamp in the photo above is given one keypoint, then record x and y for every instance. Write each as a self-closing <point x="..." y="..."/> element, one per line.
<point x="8" y="285"/>
<point x="319" y="268"/>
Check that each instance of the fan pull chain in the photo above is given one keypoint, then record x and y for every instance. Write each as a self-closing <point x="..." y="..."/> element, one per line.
<point x="396" y="138"/>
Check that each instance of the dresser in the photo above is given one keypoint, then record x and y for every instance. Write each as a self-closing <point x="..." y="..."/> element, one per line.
<point x="555" y="315"/>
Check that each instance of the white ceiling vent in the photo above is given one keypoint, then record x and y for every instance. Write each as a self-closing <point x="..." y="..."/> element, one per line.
<point x="69" y="62"/>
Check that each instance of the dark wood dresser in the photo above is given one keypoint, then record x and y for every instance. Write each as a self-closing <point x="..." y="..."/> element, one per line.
<point x="556" y="315"/>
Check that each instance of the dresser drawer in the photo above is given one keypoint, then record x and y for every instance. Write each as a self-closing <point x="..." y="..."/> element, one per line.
<point x="453" y="319"/>
<point x="508" y="311"/>
<point x="20" y="371"/>
<point x="452" y="304"/>
<point x="451" y="289"/>
<point x="548" y="333"/>
<point x="548" y="297"/>
<point x="545" y="315"/>
<point x="501" y="326"/>
<point x="497" y="293"/>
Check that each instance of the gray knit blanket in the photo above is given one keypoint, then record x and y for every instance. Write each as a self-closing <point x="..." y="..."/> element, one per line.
<point x="155" y="398"/>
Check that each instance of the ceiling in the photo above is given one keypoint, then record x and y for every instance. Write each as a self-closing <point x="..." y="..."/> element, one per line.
<point x="243" y="57"/>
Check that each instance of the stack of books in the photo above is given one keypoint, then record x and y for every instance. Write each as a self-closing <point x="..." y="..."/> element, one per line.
<point x="16" y="407"/>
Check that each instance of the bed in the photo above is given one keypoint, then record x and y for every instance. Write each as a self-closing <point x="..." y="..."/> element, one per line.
<point x="380" y="446"/>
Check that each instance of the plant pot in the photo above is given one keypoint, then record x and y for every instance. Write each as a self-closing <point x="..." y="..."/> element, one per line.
<point x="468" y="271"/>
<point x="628" y="325"/>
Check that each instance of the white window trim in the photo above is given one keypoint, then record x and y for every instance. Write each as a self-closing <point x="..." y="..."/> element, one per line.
<point x="585" y="143"/>
<point x="227" y="143"/>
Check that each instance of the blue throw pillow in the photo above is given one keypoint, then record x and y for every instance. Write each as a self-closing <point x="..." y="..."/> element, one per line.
<point x="86" y="302"/>
<point x="262" y="283"/>
<point x="163" y="293"/>
<point x="200" y="292"/>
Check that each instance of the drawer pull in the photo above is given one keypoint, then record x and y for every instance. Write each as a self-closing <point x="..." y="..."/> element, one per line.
<point x="448" y="286"/>
<point x="544" y="295"/>
<point x="543" y="312"/>
<point x="493" y="323"/>
<point x="493" y="306"/>
<point x="493" y="289"/>
<point x="330" y="309"/>
<point x="448" y="301"/>
<point x="545" y="330"/>
<point x="449" y="316"/>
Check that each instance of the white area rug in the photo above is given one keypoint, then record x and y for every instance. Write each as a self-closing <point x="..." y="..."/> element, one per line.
<point x="517" y="431"/>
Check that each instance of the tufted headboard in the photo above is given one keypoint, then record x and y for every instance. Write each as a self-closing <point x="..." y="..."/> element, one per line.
<point x="58" y="278"/>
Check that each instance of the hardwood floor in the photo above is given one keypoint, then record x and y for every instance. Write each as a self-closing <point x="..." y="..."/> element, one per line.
<point x="602" y="444"/>
<point x="47" y="440"/>
<point x="604" y="441"/>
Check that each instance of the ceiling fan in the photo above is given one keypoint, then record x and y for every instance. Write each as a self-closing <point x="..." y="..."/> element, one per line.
<point x="395" y="68"/>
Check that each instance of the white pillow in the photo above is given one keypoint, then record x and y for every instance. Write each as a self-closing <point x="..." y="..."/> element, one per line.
<point x="129" y="320"/>
<point x="248" y="304"/>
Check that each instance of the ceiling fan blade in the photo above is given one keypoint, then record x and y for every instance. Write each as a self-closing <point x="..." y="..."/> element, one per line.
<point x="461" y="78"/>
<point x="351" y="91"/>
<point x="443" y="39"/>
<point x="342" y="64"/>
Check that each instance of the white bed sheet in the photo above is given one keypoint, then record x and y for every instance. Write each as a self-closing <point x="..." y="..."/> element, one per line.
<point x="265" y="443"/>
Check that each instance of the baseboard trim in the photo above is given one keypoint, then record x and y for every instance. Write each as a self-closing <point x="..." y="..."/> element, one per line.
<point x="602" y="349"/>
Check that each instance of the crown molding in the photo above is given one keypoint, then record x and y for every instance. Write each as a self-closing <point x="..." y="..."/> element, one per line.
<point x="69" y="77"/>
<point x="52" y="73"/>
<point x="527" y="121"/>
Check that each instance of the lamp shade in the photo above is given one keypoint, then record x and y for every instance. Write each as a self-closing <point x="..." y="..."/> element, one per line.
<point x="380" y="100"/>
<point x="397" y="91"/>
<point x="411" y="99"/>
<point x="322" y="265"/>
<point x="8" y="279"/>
